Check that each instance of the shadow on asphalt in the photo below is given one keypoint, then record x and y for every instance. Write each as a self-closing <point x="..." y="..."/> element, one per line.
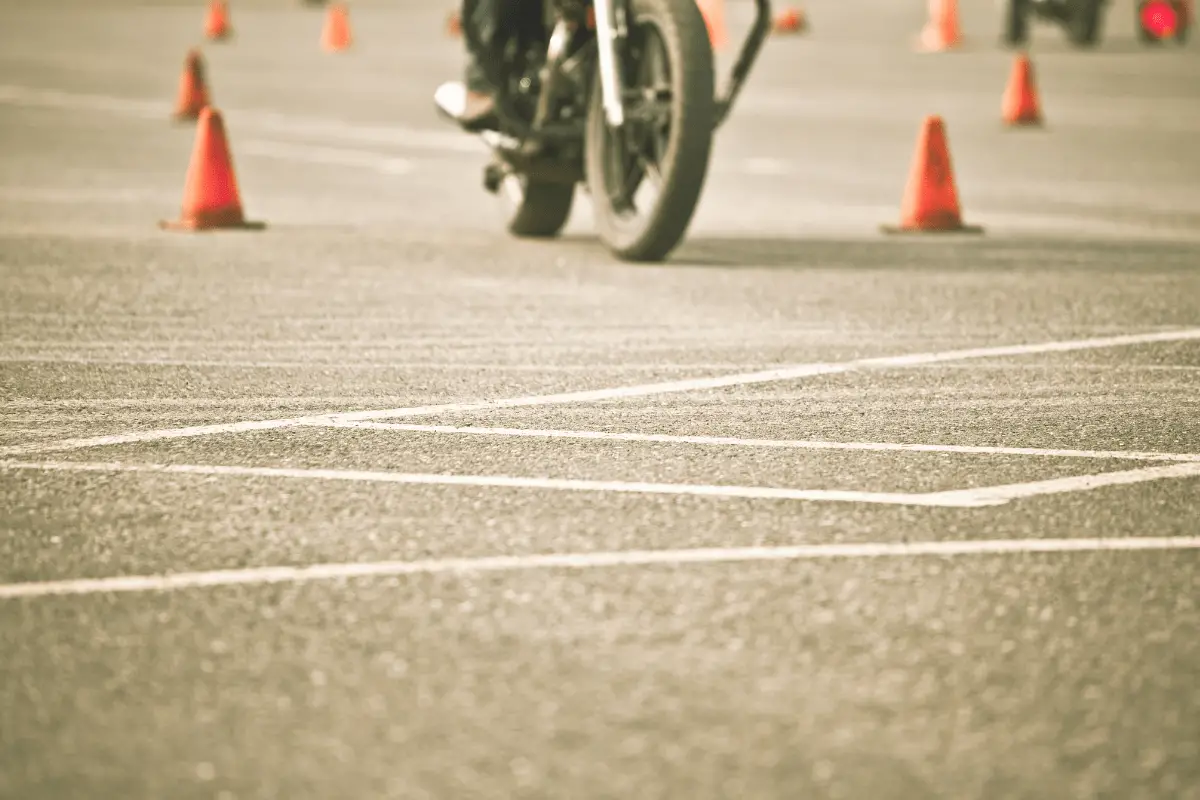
<point x="956" y="252"/>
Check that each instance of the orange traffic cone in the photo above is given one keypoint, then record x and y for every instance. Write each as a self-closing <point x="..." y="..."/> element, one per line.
<point x="217" y="26"/>
<point x="931" y="199"/>
<point x="791" y="20"/>
<point x="1020" y="105"/>
<point x="210" y="192"/>
<point x="941" y="32"/>
<point x="336" y="34"/>
<point x="454" y="24"/>
<point x="193" y="94"/>
<point x="714" y="18"/>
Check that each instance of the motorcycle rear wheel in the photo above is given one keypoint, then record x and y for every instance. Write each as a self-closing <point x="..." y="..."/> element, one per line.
<point x="1084" y="23"/>
<point x="1016" y="23"/>
<point x="535" y="209"/>
<point x="668" y="133"/>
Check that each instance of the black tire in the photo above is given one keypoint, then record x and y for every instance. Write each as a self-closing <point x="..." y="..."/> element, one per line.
<point x="1145" y="38"/>
<point x="1185" y="22"/>
<point x="683" y="165"/>
<point x="534" y="209"/>
<point x="1016" y="23"/>
<point x="1143" y="35"/>
<point x="1085" y="22"/>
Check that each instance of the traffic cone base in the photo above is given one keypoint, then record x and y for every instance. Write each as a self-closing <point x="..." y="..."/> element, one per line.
<point x="225" y="220"/>
<point x="934" y="43"/>
<point x="930" y="203"/>
<point x="210" y="192"/>
<point x="1020" y="106"/>
<point x="949" y="225"/>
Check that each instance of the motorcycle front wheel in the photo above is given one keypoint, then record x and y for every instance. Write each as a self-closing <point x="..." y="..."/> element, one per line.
<point x="667" y="73"/>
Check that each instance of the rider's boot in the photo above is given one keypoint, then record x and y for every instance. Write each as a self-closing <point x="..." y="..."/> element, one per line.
<point x="470" y="103"/>
<point x="473" y="109"/>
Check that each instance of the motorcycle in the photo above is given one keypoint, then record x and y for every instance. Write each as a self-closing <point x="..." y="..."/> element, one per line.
<point x="614" y="96"/>
<point x="1080" y="19"/>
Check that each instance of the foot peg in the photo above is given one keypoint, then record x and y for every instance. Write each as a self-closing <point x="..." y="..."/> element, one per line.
<point x="493" y="177"/>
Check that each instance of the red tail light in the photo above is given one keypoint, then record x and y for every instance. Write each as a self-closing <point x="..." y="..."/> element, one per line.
<point x="1159" y="18"/>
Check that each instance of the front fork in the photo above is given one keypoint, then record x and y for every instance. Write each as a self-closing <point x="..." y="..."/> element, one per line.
<point x="609" y="26"/>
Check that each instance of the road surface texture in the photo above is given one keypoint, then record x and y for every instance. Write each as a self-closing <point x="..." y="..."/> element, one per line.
<point x="379" y="502"/>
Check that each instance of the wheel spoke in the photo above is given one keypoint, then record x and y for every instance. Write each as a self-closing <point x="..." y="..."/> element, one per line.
<point x="651" y="172"/>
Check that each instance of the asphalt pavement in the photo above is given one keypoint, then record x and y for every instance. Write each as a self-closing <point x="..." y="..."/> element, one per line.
<point x="380" y="502"/>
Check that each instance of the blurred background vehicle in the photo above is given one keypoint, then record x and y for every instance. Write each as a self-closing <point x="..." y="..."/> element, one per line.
<point x="1083" y="20"/>
<point x="1160" y="20"/>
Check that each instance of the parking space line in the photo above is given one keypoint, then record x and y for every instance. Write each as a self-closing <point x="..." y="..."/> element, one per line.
<point x="582" y="561"/>
<point x="943" y="500"/>
<point x="541" y="337"/>
<point x="268" y="121"/>
<point x="376" y="161"/>
<point x="345" y="365"/>
<point x="795" y="372"/>
<point x="75" y="101"/>
<point x="1060" y="368"/>
<point x="1078" y="483"/>
<point x="787" y="444"/>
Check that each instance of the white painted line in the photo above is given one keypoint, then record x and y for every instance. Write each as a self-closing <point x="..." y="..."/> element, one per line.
<point x="151" y="436"/>
<point x="36" y="404"/>
<point x="334" y="156"/>
<point x="789" y="444"/>
<point x="1040" y="348"/>
<point x="88" y="361"/>
<point x="1079" y="483"/>
<point x="1060" y="368"/>
<point x="507" y="482"/>
<point x="539" y="337"/>
<point x="180" y="333"/>
<point x="622" y="392"/>
<point x="767" y="166"/>
<point x="25" y="195"/>
<point x="444" y="139"/>
<point x="586" y="330"/>
<point x="51" y="98"/>
<point x="268" y="121"/>
<point x="581" y="561"/>
<point x="438" y="365"/>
